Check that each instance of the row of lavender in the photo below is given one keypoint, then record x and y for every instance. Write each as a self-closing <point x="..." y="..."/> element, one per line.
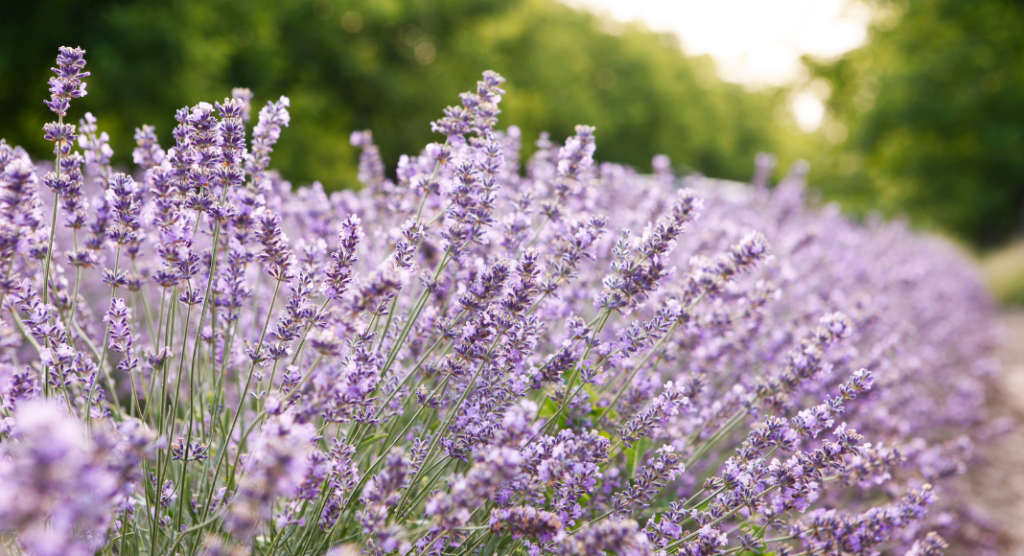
<point x="478" y="356"/>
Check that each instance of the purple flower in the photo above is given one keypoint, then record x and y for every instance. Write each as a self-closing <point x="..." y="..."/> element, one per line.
<point x="20" y="211"/>
<point x="276" y="466"/>
<point x="59" y="485"/>
<point x="231" y="130"/>
<point x="68" y="84"/>
<point x="339" y="272"/>
<point x="277" y="257"/>
<point x="575" y="158"/>
<point x="525" y="521"/>
<point x="932" y="545"/>
<point x="272" y="117"/>
<point x="371" y="167"/>
<point x="245" y="97"/>
<point x="618" y="536"/>
<point x="148" y="154"/>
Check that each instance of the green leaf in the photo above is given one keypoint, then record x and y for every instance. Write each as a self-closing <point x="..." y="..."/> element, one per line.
<point x="634" y="456"/>
<point x="371" y="440"/>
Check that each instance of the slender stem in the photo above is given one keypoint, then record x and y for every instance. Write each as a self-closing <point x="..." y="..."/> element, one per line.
<point x="602" y="320"/>
<point x="74" y="296"/>
<point x="242" y="393"/>
<point x="103" y="347"/>
<point x="636" y="369"/>
<point x="193" y="384"/>
<point x="46" y="271"/>
<point x="733" y="421"/>
<point x="724" y="517"/>
<point x="164" y="463"/>
<point x="53" y="225"/>
<point x="418" y="307"/>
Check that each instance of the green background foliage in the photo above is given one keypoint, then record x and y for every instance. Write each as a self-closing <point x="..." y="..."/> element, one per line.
<point x="933" y="113"/>
<point x="391" y="68"/>
<point x="927" y="118"/>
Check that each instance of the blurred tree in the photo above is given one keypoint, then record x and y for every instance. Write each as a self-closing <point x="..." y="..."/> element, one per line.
<point x="928" y="117"/>
<point x="386" y="65"/>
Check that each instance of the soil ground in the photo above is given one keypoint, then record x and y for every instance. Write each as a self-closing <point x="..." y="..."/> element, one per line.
<point x="999" y="486"/>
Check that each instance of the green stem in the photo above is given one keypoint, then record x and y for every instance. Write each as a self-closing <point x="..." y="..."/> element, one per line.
<point x="103" y="350"/>
<point x="242" y="394"/>
<point x="46" y="271"/>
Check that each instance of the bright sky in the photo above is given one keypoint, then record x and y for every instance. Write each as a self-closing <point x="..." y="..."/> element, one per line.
<point x="753" y="41"/>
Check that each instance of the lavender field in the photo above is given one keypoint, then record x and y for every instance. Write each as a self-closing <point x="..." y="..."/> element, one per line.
<point x="475" y="353"/>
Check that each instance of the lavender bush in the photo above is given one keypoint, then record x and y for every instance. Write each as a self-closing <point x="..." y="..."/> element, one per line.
<point x="480" y="356"/>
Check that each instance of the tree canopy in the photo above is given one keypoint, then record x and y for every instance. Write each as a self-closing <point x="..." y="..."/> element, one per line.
<point x="933" y="117"/>
<point x="386" y="65"/>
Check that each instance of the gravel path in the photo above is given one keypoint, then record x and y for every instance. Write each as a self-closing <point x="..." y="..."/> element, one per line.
<point x="999" y="487"/>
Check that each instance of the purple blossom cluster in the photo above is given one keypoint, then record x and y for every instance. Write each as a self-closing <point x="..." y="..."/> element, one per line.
<point x="474" y="355"/>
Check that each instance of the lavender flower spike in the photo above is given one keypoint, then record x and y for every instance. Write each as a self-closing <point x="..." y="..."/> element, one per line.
<point x="68" y="84"/>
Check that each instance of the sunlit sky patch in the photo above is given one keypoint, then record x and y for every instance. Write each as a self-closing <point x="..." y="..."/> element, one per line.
<point x="755" y="42"/>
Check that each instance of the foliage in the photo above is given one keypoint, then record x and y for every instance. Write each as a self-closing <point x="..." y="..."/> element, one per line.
<point x="476" y="357"/>
<point x="934" y="118"/>
<point x="355" y="64"/>
<point x="1004" y="271"/>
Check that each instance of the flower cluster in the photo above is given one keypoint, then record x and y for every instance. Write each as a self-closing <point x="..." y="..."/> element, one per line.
<point x="472" y="356"/>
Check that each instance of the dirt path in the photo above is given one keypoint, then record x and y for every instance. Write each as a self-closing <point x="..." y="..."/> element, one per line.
<point x="999" y="486"/>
